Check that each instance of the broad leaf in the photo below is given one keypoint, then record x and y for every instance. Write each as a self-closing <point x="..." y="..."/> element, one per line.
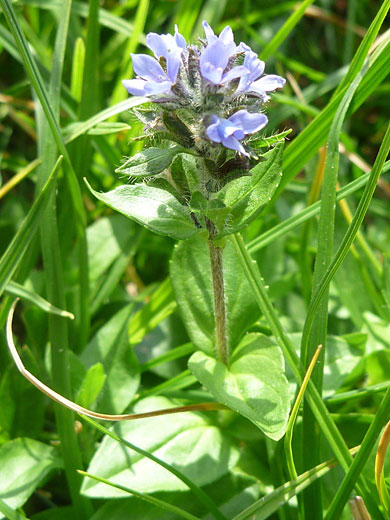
<point x="192" y="284"/>
<point x="254" y="385"/>
<point x="24" y="464"/>
<point x="110" y="347"/>
<point x="187" y="441"/>
<point x="150" y="161"/>
<point x="248" y="195"/>
<point x="153" y="208"/>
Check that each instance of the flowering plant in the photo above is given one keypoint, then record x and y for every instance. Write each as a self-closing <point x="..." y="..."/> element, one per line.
<point x="201" y="177"/>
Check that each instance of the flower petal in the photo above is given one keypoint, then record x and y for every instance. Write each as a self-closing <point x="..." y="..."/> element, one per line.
<point x="270" y="82"/>
<point x="234" y="73"/>
<point x="136" y="87"/>
<point x="232" y="143"/>
<point x="179" y="38"/>
<point x="157" y="87"/>
<point x="213" y="61"/>
<point x="210" y="36"/>
<point x="227" y="35"/>
<point x="156" y="43"/>
<point x="212" y="130"/>
<point x="248" y="121"/>
<point x="148" y="68"/>
<point x="173" y="64"/>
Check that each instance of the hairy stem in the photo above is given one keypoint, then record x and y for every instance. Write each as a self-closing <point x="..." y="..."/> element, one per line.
<point x="219" y="296"/>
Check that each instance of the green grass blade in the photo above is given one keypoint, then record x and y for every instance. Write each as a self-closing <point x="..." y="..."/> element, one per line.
<point x="54" y="277"/>
<point x="381" y="416"/>
<point x="143" y="496"/>
<point x="74" y="188"/>
<point x="17" y="248"/>
<point x="197" y="491"/>
<point x="307" y="143"/>
<point x="270" y="503"/>
<point x="187" y="16"/>
<point x="293" y="222"/>
<point x="76" y="85"/>
<point x="126" y="69"/>
<point x="285" y="30"/>
<point x="15" y="289"/>
<point x="159" y="307"/>
<point x="364" y="47"/>
<point x="311" y="454"/>
<point x="350" y="234"/>
<point x="74" y="130"/>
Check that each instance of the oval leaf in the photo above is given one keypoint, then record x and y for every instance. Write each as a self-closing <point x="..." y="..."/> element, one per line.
<point x="153" y="208"/>
<point x="254" y="385"/>
<point x="193" y="288"/>
<point x="187" y="441"/>
<point x="248" y="195"/>
<point x="150" y="161"/>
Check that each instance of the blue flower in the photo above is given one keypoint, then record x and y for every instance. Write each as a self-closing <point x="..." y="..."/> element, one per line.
<point x="250" y="82"/>
<point x="216" y="55"/>
<point x="151" y="77"/>
<point x="230" y="131"/>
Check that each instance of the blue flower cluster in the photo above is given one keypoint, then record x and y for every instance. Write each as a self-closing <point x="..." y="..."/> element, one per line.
<point x="222" y="83"/>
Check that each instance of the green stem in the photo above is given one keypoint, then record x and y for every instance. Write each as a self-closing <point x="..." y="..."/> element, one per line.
<point x="219" y="296"/>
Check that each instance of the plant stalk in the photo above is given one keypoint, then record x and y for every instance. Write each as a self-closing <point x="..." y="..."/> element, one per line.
<point x="219" y="295"/>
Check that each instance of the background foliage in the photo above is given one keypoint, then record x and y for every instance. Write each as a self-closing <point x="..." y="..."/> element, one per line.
<point x="135" y="327"/>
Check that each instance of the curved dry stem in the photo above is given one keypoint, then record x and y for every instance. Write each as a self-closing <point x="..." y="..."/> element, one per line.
<point x="80" y="409"/>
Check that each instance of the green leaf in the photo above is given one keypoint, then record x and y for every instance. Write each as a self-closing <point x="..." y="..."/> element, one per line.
<point x="260" y="142"/>
<point x="24" y="464"/>
<point x="91" y="385"/>
<point x="153" y="208"/>
<point x="18" y="290"/>
<point x="159" y="306"/>
<point x="186" y="441"/>
<point x="108" y="128"/>
<point x="192" y="284"/>
<point x="254" y="385"/>
<point x="150" y="161"/>
<point x="248" y="195"/>
<point x="10" y="513"/>
<point x="110" y="348"/>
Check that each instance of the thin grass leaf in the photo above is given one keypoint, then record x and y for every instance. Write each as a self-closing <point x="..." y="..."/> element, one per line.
<point x="293" y="222"/>
<point x="126" y="70"/>
<point x="379" y="469"/>
<point x="171" y="355"/>
<point x="285" y="30"/>
<point x="74" y="130"/>
<point x="311" y="454"/>
<point x="187" y="16"/>
<point x="293" y="417"/>
<point x="17" y="290"/>
<point x="17" y="248"/>
<point x="364" y="47"/>
<point x="307" y="143"/>
<point x="14" y="181"/>
<point x="263" y="508"/>
<point x="198" y="492"/>
<point x="143" y="496"/>
<point x="106" y="18"/>
<point x="76" y="84"/>
<point x="381" y="416"/>
<point x="351" y="232"/>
